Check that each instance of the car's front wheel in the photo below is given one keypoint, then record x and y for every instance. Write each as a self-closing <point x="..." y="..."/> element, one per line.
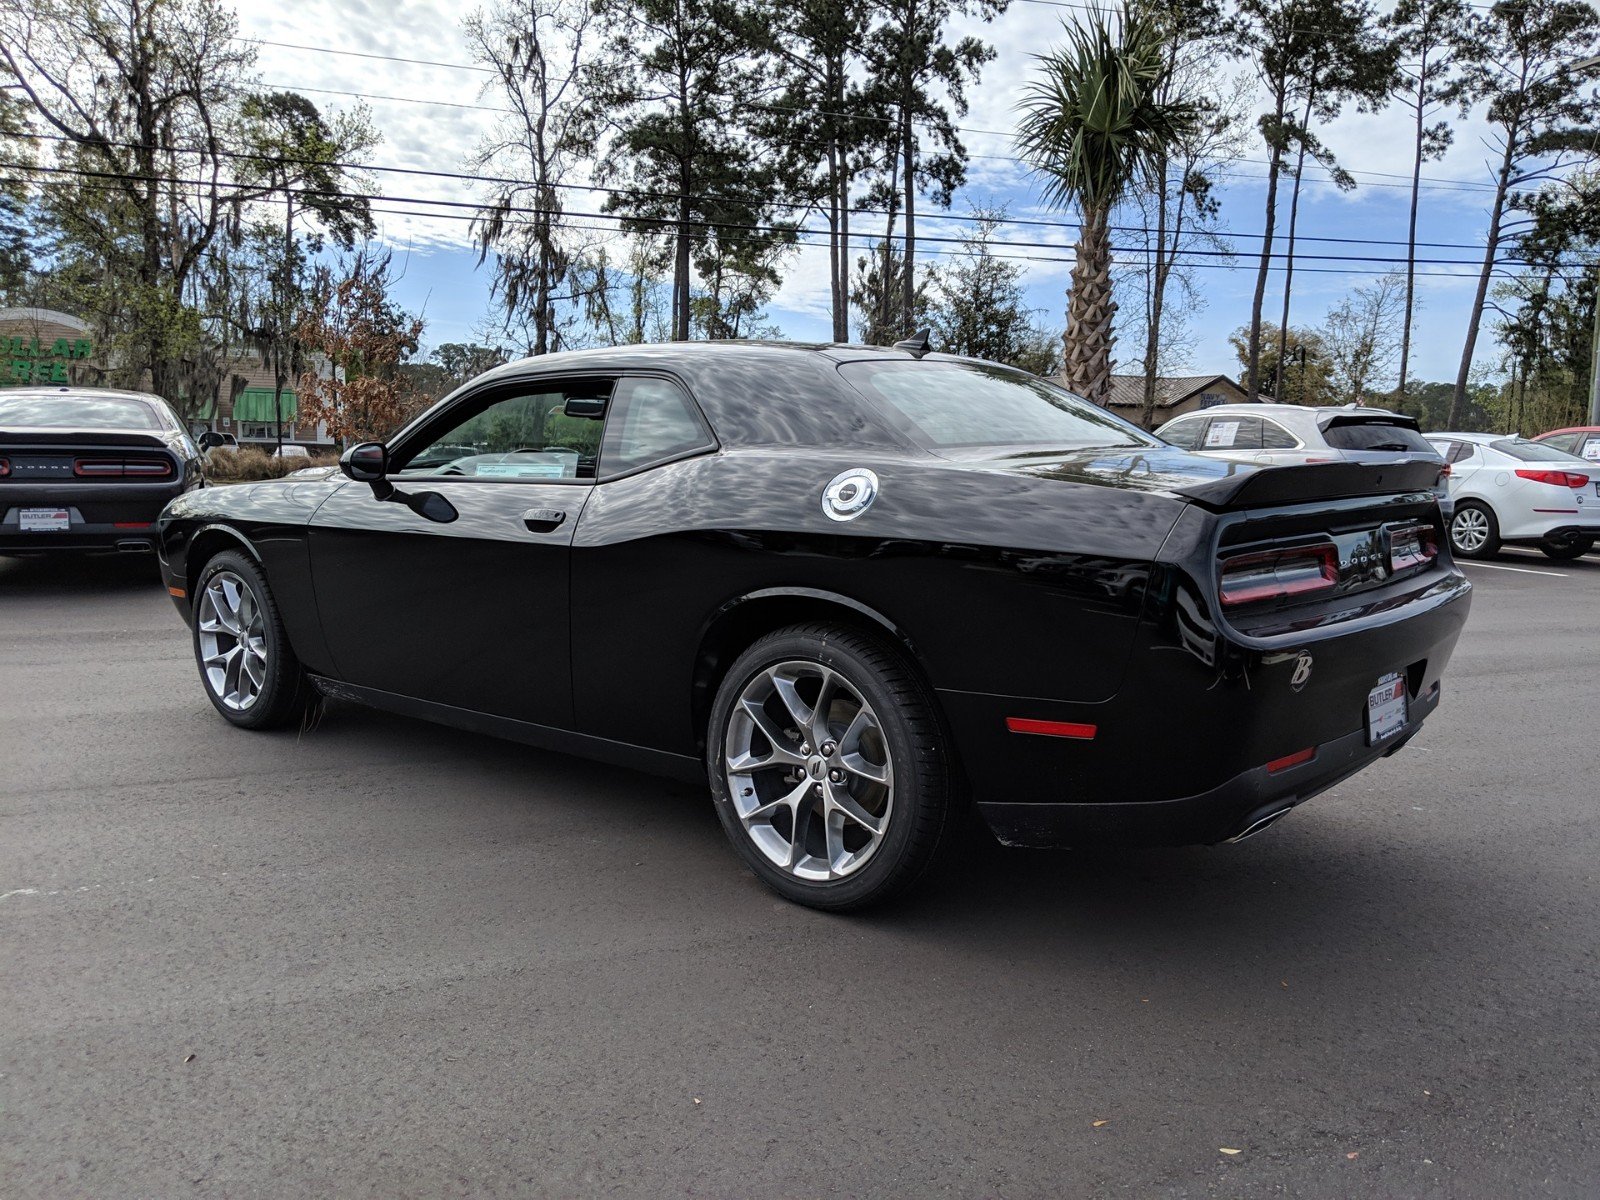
<point x="1564" y="551"/>
<point x="1474" y="532"/>
<point x="829" y="767"/>
<point x="249" y="670"/>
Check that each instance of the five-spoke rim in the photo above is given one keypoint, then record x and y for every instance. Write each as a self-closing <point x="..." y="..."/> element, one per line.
<point x="233" y="641"/>
<point x="1470" y="529"/>
<point x="809" y="771"/>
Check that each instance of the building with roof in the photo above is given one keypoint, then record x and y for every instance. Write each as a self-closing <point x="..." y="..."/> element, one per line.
<point x="43" y="346"/>
<point x="1175" y="395"/>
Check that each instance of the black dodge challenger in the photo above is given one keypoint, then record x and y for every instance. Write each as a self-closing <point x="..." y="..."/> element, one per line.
<point x="856" y="589"/>
<point x="88" y="468"/>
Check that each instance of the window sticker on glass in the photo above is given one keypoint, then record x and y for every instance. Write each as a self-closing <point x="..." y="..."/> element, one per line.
<point x="1221" y="433"/>
<point x="520" y="470"/>
<point x="1591" y="450"/>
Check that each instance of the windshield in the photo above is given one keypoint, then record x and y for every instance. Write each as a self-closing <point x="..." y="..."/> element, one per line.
<point x="1533" y="451"/>
<point x="76" y="412"/>
<point x="1375" y="435"/>
<point x="957" y="406"/>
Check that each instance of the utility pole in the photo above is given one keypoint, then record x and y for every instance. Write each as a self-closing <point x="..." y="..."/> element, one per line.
<point x="1594" y="355"/>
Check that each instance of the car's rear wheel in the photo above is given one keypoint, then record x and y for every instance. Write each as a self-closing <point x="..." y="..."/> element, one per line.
<point x="829" y="769"/>
<point x="249" y="670"/>
<point x="1474" y="532"/>
<point x="1564" y="551"/>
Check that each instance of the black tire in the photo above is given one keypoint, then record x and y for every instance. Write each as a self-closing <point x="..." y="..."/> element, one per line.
<point x="284" y="695"/>
<point x="1470" y="516"/>
<point x="926" y="797"/>
<point x="1566" y="551"/>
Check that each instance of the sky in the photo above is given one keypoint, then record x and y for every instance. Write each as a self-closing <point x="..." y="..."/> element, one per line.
<point x="432" y="113"/>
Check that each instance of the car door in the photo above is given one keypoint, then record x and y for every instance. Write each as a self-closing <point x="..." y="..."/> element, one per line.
<point x="463" y="600"/>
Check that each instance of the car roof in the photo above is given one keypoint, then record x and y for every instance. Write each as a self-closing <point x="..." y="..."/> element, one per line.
<point x="1482" y="439"/>
<point x="1316" y="412"/>
<point x="88" y="393"/>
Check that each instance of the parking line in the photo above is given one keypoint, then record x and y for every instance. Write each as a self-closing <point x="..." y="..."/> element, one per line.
<point x="1518" y="570"/>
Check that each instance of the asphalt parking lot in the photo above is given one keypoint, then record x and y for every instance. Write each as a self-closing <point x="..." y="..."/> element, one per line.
<point x="383" y="958"/>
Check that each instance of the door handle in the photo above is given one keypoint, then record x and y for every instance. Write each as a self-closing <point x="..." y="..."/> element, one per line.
<point x="543" y="520"/>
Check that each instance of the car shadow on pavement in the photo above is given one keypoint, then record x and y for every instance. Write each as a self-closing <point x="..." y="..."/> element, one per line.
<point x="78" y="574"/>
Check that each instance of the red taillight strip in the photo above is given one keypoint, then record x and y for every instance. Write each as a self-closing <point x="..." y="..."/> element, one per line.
<point x="1062" y="729"/>
<point x="1263" y="576"/>
<point x="1291" y="760"/>
<point x="1570" y="479"/>
<point x="115" y="468"/>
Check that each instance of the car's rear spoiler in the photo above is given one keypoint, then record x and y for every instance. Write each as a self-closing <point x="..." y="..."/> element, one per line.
<point x="1305" y="483"/>
<point x="82" y="437"/>
<point x="1333" y="418"/>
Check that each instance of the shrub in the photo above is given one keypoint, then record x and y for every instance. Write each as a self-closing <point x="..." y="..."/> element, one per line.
<point x="251" y="462"/>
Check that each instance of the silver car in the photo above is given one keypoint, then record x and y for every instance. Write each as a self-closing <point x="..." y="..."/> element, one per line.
<point x="1286" y="434"/>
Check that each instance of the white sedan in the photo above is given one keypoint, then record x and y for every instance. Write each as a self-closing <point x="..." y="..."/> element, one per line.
<point x="1511" y="490"/>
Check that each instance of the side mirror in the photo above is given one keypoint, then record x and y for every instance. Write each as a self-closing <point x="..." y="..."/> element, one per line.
<point x="210" y="440"/>
<point x="589" y="407"/>
<point x="366" y="463"/>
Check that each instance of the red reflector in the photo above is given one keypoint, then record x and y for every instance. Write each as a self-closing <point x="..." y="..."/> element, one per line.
<point x="1291" y="760"/>
<point x="1066" y="729"/>
<point x="131" y="524"/>
<point x="5" y="467"/>
<point x="1569" y="479"/>
<point x="1278" y="574"/>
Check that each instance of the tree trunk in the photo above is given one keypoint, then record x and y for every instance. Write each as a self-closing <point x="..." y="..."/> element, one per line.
<point x="1088" y="340"/>
<point x="908" y="261"/>
<point x="1411" y="233"/>
<point x="1253" y="355"/>
<point x="1158" y="287"/>
<point x="1288" y="265"/>
<point x="1491" y="249"/>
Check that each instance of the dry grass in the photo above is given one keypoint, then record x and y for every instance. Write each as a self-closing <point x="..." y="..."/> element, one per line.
<point x="251" y="462"/>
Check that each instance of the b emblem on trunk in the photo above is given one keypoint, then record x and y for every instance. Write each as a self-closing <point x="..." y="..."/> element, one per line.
<point x="1302" y="671"/>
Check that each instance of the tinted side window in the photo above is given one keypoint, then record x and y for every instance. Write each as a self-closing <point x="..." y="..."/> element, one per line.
<point x="1462" y="451"/>
<point x="1567" y="443"/>
<point x="526" y="437"/>
<point x="1276" y="437"/>
<point x="650" y="421"/>
<point x="1184" y="434"/>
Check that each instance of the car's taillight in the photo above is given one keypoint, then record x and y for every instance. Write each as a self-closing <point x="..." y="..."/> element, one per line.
<point x="121" y="468"/>
<point x="1278" y="574"/>
<point x="1444" y="471"/>
<point x="1412" y="546"/>
<point x="1569" y="479"/>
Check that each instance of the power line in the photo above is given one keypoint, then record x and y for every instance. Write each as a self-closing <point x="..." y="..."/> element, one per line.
<point x="669" y="223"/>
<point x="792" y="205"/>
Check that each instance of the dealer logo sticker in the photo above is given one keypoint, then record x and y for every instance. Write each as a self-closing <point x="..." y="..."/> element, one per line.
<point x="1302" y="671"/>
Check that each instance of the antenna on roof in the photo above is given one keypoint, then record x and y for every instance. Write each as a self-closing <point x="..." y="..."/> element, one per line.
<point x="917" y="344"/>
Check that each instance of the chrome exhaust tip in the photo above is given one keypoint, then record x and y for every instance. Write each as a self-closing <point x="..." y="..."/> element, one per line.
<point x="1256" y="824"/>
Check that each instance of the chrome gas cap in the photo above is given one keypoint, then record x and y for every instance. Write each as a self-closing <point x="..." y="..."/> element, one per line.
<point x="850" y="494"/>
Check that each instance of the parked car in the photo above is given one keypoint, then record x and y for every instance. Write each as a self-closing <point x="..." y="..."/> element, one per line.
<point x="1582" y="441"/>
<point x="287" y="451"/>
<point x="214" y="439"/>
<point x="1295" y="433"/>
<point x="1509" y="490"/>
<point x="851" y="588"/>
<point x="89" y="468"/>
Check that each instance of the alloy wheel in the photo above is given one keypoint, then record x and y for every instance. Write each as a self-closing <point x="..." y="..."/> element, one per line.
<point x="1469" y="530"/>
<point x="809" y="771"/>
<point x="233" y="641"/>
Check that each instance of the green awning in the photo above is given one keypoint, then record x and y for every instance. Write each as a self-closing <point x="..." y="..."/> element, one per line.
<point x="255" y="404"/>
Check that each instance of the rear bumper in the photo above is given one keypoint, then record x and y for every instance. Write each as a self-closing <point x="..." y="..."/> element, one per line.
<point x="1244" y="804"/>
<point x="103" y="517"/>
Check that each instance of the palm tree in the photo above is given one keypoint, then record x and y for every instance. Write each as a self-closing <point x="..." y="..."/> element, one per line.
<point x="1094" y="125"/>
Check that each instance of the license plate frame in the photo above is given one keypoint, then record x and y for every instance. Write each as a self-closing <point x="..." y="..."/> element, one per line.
<point x="1388" y="708"/>
<point x="44" y="520"/>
